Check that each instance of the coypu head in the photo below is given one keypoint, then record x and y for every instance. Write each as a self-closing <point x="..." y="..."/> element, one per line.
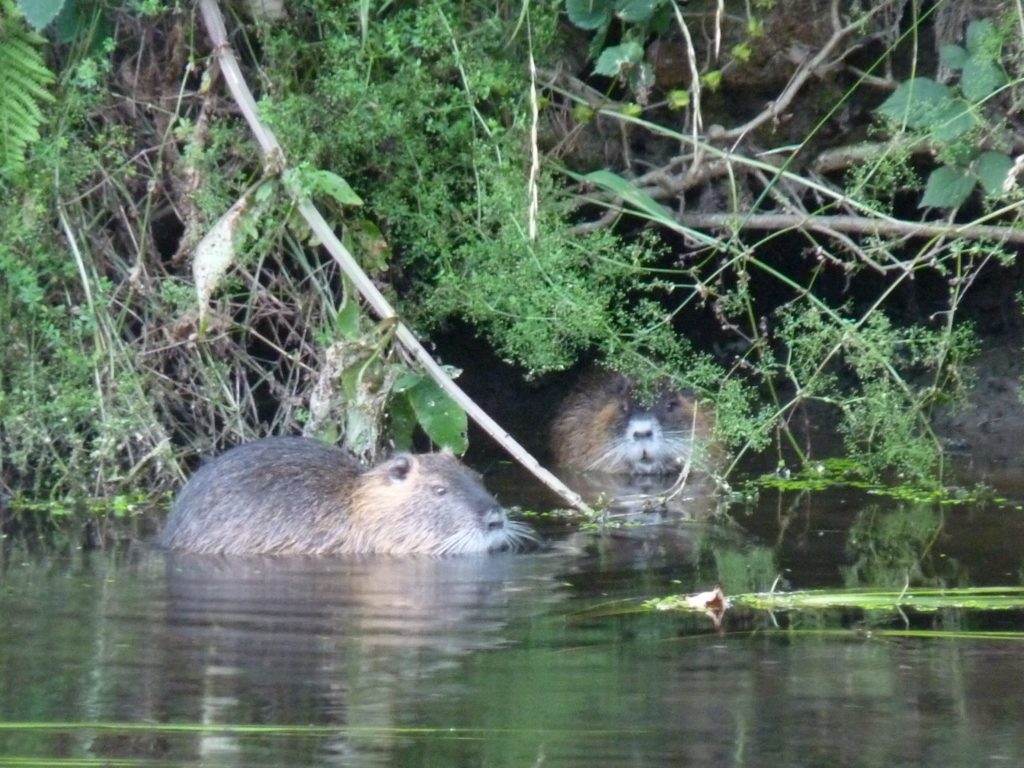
<point x="429" y="503"/>
<point x="604" y="426"/>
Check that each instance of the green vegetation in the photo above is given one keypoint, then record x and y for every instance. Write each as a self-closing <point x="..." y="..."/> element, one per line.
<point x="748" y="252"/>
<point x="974" y="598"/>
<point x="23" y="94"/>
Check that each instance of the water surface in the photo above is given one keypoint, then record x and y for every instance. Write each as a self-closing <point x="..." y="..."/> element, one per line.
<point x="131" y="657"/>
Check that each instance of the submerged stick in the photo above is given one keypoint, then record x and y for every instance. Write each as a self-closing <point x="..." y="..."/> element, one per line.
<point x="273" y="153"/>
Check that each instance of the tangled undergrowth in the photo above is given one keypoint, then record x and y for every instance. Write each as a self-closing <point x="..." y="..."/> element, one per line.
<point x="633" y="201"/>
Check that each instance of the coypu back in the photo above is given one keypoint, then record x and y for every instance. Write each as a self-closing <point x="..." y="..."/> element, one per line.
<point x="293" y="495"/>
<point x="602" y="426"/>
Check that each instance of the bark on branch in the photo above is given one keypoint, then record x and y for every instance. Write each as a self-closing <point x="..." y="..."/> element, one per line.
<point x="274" y="157"/>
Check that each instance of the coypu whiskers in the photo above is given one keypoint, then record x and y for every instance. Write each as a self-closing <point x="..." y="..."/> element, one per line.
<point x="603" y="427"/>
<point x="300" y="496"/>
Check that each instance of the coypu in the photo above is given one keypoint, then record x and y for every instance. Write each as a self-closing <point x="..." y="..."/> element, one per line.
<point x="602" y="427"/>
<point x="294" y="495"/>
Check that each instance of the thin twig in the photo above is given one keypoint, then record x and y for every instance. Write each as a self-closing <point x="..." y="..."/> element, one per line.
<point x="858" y="224"/>
<point x="796" y="83"/>
<point x="274" y="156"/>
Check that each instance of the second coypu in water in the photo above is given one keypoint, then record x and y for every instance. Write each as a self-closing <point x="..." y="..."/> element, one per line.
<point x="602" y="426"/>
<point x="294" y="495"/>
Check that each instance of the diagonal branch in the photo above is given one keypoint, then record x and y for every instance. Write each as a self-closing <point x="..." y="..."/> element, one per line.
<point x="274" y="157"/>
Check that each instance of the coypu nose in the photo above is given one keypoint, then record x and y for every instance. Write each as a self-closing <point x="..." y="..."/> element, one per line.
<point x="493" y="519"/>
<point x="640" y="429"/>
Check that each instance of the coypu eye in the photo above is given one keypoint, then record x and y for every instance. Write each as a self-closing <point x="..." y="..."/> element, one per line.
<point x="440" y="490"/>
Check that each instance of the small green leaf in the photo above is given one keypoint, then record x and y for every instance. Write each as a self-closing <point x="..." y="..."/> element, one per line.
<point x="992" y="168"/>
<point x="39" y="13"/>
<point x="983" y="39"/>
<point x="947" y="188"/>
<point x="582" y="113"/>
<point x="678" y="98"/>
<point x="631" y="109"/>
<point x="333" y="185"/>
<point x="443" y="421"/>
<point x="589" y="14"/>
<point x="953" y="56"/>
<point x="612" y="60"/>
<point x="981" y="78"/>
<point x="711" y="80"/>
<point x="741" y="52"/>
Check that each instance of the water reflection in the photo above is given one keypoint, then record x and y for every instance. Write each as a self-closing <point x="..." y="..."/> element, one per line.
<point x="345" y="642"/>
<point x="540" y="658"/>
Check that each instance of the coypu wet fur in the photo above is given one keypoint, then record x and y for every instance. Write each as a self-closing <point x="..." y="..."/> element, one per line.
<point x="603" y="426"/>
<point x="295" y="495"/>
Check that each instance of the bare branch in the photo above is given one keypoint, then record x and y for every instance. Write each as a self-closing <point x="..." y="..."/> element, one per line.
<point x="855" y="224"/>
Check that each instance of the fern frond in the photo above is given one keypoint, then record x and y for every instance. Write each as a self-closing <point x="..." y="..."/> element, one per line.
<point x="23" y="91"/>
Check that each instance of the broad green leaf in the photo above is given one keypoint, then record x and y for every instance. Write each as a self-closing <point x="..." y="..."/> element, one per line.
<point x="983" y="39"/>
<point x="333" y="185"/>
<point x="443" y="421"/>
<point x="637" y="11"/>
<point x="347" y="319"/>
<point x="612" y="60"/>
<point x="980" y="78"/>
<point x="407" y="381"/>
<point x="916" y="102"/>
<point x="947" y="188"/>
<point x="39" y="13"/>
<point x="403" y="423"/>
<point x="992" y="168"/>
<point x="951" y="121"/>
<point x="953" y="56"/>
<point x="589" y="14"/>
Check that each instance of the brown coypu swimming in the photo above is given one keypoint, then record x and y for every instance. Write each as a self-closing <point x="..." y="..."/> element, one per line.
<point x="295" y="495"/>
<point x="603" y="426"/>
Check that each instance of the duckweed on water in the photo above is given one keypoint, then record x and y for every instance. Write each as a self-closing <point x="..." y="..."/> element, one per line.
<point x="847" y="473"/>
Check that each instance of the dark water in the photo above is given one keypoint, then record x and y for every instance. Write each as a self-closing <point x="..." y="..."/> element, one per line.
<point x="128" y="657"/>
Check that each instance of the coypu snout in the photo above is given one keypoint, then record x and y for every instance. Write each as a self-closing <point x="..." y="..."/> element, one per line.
<point x="603" y="426"/>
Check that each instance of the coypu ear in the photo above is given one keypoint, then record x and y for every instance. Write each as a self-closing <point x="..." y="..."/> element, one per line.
<point x="399" y="467"/>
